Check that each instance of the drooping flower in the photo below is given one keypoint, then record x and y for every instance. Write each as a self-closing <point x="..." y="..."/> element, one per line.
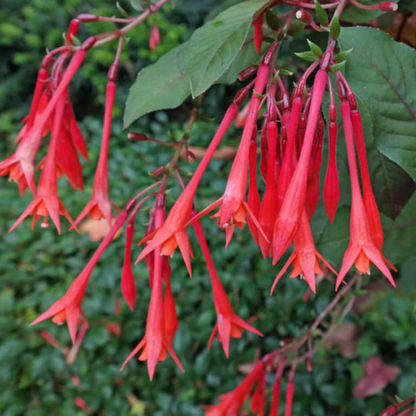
<point x="287" y="220"/>
<point x="230" y="403"/>
<point x="169" y="309"/>
<point x="172" y="233"/>
<point x="46" y="202"/>
<point x="128" y="286"/>
<point x="253" y="199"/>
<point x="361" y="250"/>
<point x="258" y="32"/>
<point x="305" y="257"/>
<point x="100" y="205"/>
<point x="331" y="190"/>
<point x="68" y="308"/>
<point x="155" y="344"/>
<point x="229" y="324"/>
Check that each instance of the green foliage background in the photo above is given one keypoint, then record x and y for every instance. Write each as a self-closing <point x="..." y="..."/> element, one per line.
<point x="37" y="267"/>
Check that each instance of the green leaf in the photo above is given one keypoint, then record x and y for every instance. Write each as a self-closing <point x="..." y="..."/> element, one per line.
<point x="272" y="20"/>
<point x="335" y="28"/>
<point x="157" y="87"/>
<point x="384" y="78"/>
<point x="321" y="14"/>
<point x="315" y="49"/>
<point x="306" y="56"/>
<point x="355" y="15"/>
<point x="214" y="46"/>
<point x="337" y="67"/>
<point x="342" y="56"/>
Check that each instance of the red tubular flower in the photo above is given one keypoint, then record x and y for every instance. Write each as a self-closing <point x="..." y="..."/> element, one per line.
<point x="312" y="190"/>
<point x="258" y="400"/>
<point x="331" y="190"/>
<point x="47" y="202"/>
<point x="233" y="208"/>
<point x="289" y="159"/>
<point x="258" y="32"/>
<point x="305" y="257"/>
<point x="370" y="204"/>
<point x="21" y="164"/>
<point x="154" y="39"/>
<point x="128" y="286"/>
<point x="288" y="217"/>
<point x="229" y="324"/>
<point x="362" y="250"/>
<point x="169" y="309"/>
<point x="68" y="308"/>
<point x="253" y="200"/>
<point x="155" y="343"/>
<point x="289" y="398"/>
<point x="267" y="213"/>
<point x="172" y="234"/>
<point x="76" y="135"/>
<point x="274" y="406"/>
<point x="231" y="402"/>
<point x="100" y="205"/>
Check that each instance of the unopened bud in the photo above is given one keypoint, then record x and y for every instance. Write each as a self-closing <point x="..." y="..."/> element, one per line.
<point x="137" y="137"/>
<point x="190" y="157"/>
<point x="304" y="16"/>
<point x="88" y="43"/>
<point x="388" y="6"/>
<point x="72" y="30"/>
<point x="241" y="96"/>
<point x="268" y="56"/>
<point x="333" y="113"/>
<point x="352" y="101"/>
<point x="87" y="18"/>
<point x="112" y="72"/>
<point x="246" y="73"/>
<point x="158" y="171"/>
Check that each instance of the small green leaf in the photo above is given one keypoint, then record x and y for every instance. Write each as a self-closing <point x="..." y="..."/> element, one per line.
<point x="335" y="28"/>
<point x="341" y="56"/>
<point x="337" y="67"/>
<point x="121" y="10"/>
<point x="321" y="14"/>
<point x="315" y="49"/>
<point x="296" y="28"/>
<point x="285" y="72"/>
<point x="272" y="20"/>
<point x="269" y="39"/>
<point x="306" y="56"/>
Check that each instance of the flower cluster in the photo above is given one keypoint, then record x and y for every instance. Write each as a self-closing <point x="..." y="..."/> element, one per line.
<point x="289" y="139"/>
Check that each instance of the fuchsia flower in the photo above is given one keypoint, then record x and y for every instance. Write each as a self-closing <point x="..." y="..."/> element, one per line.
<point x="156" y="342"/>
<point x="46" y="201"/>
<point x="172" y="233"/>
<point x="68" y="308"/>
<point x="128" y="286"/>
<point x="229" y="324"/>
<point x="287" y="220"/>
<point x="362" y="250"/>
<point x="100" y="205"/>
<point x="258" y="32"/>
<point x="253" y="199"/>
<point x="305" y="257"/>
<point x="231" y="402"/>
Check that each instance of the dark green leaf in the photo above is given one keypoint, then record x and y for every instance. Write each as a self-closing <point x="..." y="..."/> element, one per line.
<point x="335" y="28"/>
<point x="213" y="47"/>
<point x="315" y="49"/>
<point x="337" y="67"/>
<point x="342" y="56"/>
<point x="384" y="78"/>
<point x="272" y="20"/>
<point x="321" y="14"/>
<point x="157" y="87"/>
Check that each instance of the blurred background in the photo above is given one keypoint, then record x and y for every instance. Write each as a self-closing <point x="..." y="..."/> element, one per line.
<point x="38" y="379"/>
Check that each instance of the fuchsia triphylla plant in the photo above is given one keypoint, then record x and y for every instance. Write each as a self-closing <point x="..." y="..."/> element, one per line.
<point x="291" y="142"/>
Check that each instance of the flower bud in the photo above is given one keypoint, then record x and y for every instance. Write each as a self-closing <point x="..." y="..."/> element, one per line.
<point x="388" y="6"/>
<point x="304" y="16"/>
<point x="137" y="137"/>
<point x="246" y="73"/>
<point x="88" y="43"/>
<point x="240" y="96"/>
<point x="87" y="18"/>
<point x="112" y="72"/>
<point x="158" y="171"/>
<point x="333" y="113"/>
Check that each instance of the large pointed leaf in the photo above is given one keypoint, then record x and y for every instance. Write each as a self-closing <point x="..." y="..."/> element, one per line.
<point x="157" y="87"/>
<point x="384" y="78"/>
<point x="213" y="47"/>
